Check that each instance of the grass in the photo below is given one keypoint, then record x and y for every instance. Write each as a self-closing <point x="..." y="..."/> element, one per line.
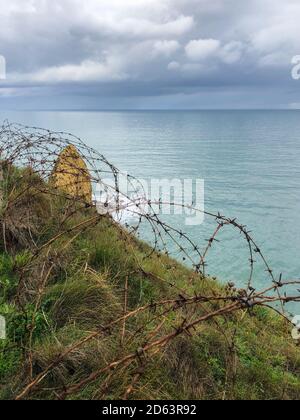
<point x="235" y="357"/>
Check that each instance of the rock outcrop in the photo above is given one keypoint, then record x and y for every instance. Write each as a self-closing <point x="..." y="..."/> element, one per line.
<point x="71" y="175"/>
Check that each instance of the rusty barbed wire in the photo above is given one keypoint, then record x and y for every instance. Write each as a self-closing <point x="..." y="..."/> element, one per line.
<point x="34" y="153"/>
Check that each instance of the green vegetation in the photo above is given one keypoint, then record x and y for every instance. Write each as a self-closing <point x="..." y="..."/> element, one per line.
<point x="79" y="283"/>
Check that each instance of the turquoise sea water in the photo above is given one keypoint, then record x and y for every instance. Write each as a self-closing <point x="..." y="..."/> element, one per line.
<point x="250" y="161"/>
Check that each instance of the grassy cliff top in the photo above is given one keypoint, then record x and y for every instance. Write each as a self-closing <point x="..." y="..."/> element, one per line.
<point x="93" y="314"/>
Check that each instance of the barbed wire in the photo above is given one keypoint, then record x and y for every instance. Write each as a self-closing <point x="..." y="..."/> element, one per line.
<point x="35" y="153"/>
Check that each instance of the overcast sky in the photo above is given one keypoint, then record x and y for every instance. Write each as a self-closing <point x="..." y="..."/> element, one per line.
<point x="86" y="54"/>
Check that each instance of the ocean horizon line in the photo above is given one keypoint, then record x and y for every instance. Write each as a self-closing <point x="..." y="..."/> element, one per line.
<point x="155" y="110"/>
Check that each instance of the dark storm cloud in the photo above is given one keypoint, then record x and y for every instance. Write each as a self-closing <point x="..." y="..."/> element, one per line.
<point x="149" y="48"/>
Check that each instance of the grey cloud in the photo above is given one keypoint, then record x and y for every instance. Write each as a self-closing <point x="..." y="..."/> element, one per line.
<point x="148" y="48"/>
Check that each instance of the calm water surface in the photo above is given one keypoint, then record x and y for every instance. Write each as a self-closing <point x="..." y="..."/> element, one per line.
<point x="250" y="161"/>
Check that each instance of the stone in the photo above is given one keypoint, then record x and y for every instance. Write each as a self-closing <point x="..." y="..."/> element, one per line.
<point x="71" y="175"/>
<point x="2" y="328"/>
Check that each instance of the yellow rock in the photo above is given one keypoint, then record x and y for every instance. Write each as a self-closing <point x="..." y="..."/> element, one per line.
<point x="71" y="175"/>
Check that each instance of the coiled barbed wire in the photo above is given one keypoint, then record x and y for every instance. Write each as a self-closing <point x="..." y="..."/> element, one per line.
<point x="39" y="149"/>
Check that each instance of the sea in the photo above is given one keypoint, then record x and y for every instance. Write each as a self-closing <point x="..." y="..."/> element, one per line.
<point x="249" y="162"/>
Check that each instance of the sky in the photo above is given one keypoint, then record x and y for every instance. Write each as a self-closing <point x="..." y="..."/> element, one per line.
<point x="149" y="54"/>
